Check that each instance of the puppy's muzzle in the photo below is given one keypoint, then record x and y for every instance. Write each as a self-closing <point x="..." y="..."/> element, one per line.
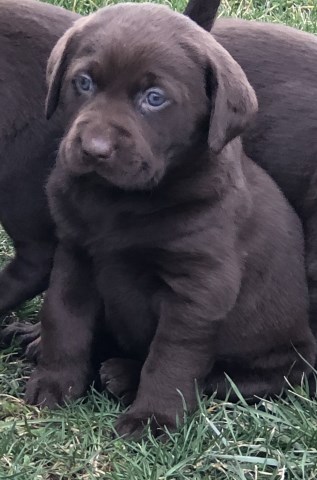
<point x="98" y="148"/>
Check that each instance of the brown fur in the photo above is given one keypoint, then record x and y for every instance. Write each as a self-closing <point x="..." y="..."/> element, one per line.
<point x="177" y="255"/>
<point x="28" y="144"/>
<point x="281" y="65"/>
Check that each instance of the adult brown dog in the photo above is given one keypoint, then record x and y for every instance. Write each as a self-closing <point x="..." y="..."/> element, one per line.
<point x="171" y="240"/>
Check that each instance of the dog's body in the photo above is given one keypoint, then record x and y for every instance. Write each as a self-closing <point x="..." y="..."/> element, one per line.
<point x="281" y="65"/>
<point x="28" y="143"/>
<point x="170" y="239"/>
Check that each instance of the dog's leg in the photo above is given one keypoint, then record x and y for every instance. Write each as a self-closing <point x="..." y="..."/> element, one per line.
<point x="23" y="278"/>
<point x="251" y="385"/>
<point x="68" y="320"/>
<point x="265" y="375"/>
<point x="27" y="274"/>
<point x="179" y="355"/>
<point x="182" y="352"/>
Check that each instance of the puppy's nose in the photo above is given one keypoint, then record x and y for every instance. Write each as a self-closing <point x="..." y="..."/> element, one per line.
<point x="98" y="147"/>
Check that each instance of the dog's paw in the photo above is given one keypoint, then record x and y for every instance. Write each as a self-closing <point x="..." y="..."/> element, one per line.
<point x="120" y="377"/>
<point x="27" y="335"/>
<point x="48" y="388"/>
<point x="131" y="425"/>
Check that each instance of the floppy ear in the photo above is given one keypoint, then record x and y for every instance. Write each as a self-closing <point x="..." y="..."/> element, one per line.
<point x="234" y="100"/>
<point x="202" y="12"/>
<point x="57" y="65"/>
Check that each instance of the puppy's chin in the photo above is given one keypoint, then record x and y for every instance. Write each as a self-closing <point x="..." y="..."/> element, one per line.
<point x="131" y="175"/>
<point x="129" y="180"/>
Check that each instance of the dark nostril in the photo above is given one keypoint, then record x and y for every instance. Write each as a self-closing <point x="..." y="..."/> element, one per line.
<point x="97" y="147"/>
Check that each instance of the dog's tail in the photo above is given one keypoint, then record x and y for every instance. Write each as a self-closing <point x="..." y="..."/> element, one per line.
<point x="202" y="12"/>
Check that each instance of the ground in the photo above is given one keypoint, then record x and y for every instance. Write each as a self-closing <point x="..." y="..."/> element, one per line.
<point x="275" y="440"/>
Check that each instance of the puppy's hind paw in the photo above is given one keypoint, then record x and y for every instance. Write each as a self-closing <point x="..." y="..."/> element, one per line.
<point x="120" y="377"/>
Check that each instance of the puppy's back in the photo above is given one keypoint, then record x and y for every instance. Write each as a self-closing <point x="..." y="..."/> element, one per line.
<point x="273" y="44"/>
<point x="281" y="65"/>
<point x="28" y="31"/>
<point x="28" y="142"/>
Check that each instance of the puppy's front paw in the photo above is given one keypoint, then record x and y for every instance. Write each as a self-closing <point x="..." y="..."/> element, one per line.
<point x="131" y="425"/>
<point x="120" y="377"/>
<point x="49" y="388"/>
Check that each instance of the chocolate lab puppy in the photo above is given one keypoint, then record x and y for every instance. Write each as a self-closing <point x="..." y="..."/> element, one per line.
<point x="171" y="241"/>
<point x="281" y="65"/>
<point x="28" y="144"/>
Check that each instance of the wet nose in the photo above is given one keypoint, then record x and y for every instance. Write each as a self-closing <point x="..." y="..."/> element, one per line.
<point x="98" y="147"/>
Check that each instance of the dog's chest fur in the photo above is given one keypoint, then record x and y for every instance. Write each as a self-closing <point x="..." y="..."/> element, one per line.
<point x="134" y="240"/>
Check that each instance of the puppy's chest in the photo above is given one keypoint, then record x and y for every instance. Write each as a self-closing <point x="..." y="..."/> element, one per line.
<point x="131" y="291"/>
<point x="102" y="223"/>
<point x="124" y="250"/>
<point x="134" y="244"/>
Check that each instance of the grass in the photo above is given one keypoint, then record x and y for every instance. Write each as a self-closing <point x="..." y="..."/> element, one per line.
<point x="300" y="13"/>
<point x="275" y="440"/>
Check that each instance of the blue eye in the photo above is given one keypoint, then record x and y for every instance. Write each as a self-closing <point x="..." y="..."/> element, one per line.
<point x="155" y="98"/>
<point x="84" y="83"/>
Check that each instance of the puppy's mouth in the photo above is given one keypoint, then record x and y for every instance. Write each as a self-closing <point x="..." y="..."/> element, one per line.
<point x="138" y="176"/>
<point x="126" y="170"/>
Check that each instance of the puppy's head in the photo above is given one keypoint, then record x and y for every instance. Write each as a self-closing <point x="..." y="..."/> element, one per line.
<point x="142" y="89"/>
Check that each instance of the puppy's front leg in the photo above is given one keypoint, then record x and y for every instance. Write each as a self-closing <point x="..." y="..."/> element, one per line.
<point x="183" y="350"/>
<point x="67" y="324"/>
